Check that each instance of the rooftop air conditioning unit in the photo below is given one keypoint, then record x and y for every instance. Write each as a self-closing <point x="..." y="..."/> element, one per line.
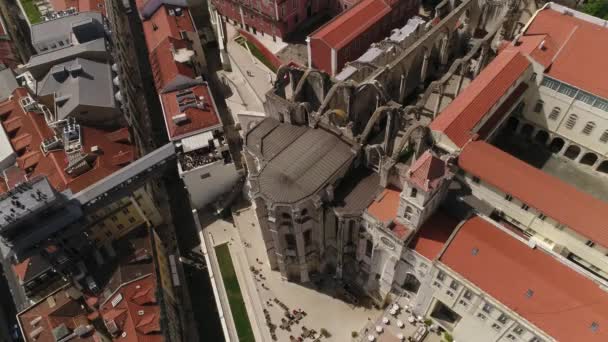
<point x="180" y="118"/>
<point x="95" y="149"/>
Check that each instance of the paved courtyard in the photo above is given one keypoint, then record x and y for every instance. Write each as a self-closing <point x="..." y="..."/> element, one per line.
<point x="396" y="324"/>
<point x="260" y="289"/>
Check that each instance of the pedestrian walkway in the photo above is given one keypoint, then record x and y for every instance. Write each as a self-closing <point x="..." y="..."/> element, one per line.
<point x="249" y="80"/>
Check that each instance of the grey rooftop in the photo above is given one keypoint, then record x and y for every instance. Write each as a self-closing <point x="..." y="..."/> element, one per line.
<point x="78" y="82"/>
<point x="297" y="161"/>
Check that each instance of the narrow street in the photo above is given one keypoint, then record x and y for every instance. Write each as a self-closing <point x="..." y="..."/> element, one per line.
<point x="198" y="301"/>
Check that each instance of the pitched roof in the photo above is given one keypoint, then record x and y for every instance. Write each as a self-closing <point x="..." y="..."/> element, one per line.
<point x="198" y="106"/>
<point x="169" y="73"/>
<point x="567" y="40"/>
<point x="79" y="82"/>
<point x="302" y="167"/>
<point x="344" y="28"/>
<point x="356" y="191"/>
<point x="162" y="25"/>
<point x="53" y="165"/>
<point x="578" y="210"/>
<point x="432" y="235"/>
<point x="563" y="303"/>
<point x="427" y="171"/>
<point x="61" y="313"/>
<point x="458" y="120"/>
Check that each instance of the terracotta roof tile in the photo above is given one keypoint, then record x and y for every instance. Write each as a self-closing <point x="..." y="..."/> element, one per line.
<point x="427" y="171"/>
<point x="461" y="116"/>
<point x="578" y="210"/>
<point x="198" y="106"/>
<point x="433" y="234"/>
<point x="165" y="69"/>
<point x="568" y="41"/>
<point x="384" y="207"/>
<point x="347" y="26"/>
<point x="33" y="130"/>
<point x="20" y="269"/>
<point x="162" y="25"/>
<point x="563" y="303"/>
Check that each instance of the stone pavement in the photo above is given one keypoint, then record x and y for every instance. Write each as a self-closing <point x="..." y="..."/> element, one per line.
<point x="322" y="309"/>
<point x="248" y="250"/>
<point x="247" y="68"/>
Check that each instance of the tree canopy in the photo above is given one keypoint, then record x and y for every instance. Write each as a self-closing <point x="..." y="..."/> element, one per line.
<point x="598" y="8"/>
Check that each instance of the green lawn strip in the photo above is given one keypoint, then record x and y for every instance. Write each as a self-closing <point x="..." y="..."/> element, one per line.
<point x="31" y="10"/>
<point x="256" y="53"/>
<point x="235" y="298"/>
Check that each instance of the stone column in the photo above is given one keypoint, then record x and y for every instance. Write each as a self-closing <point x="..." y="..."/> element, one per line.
<point x="580" y="156"/>
<point x="425" y="66"/>
<point x="438" y="103"/>
<point x="460" y="79"/>
<point x="402" y="87"/>
<point x="340" y="245"/>
<point x="444" y="53"/>
<point x="301" y="253"/>
<point x="597" y="163"/>
<point x="483" y="56"/>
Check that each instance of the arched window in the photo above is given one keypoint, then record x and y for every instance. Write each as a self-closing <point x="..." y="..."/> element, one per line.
<point x="408" y="212"/>
<point x="539" y="106"/>
<point x="554" y="113"/>
<point x="589" y="128"/>
<point x="604" y="137"/>
<point x="414" y="192"/>
<point x="571" y="121"/>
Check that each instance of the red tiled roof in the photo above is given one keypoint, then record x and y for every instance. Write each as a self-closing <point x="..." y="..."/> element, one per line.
<point x="564" y="303"/>
<point x="502" y="111"/>
<point x="21" y="268"/>
<point x="33" y="162"/>
<point x="140" y="321"/>
<point x="462" y="115"/>
<point x="79" y="5"/>
<point x="384" y="207"/>
<point x="578" y="210"/>
<point x="162" y="25"/>
<point x="427" y="171"/>
<point x="433" y="234"/>
<point x="199" y="119"/>
<point x="165" y="68"/>
<point x="64" y="311"/>
<point x="350" y="24"/>
<point x="574" y="49"/>
<point x="400" y="230"/>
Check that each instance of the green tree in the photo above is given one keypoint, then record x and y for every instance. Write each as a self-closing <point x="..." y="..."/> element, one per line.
<point x="598" y="8"/>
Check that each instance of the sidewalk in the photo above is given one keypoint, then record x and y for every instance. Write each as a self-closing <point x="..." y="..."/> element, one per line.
<point x="249" y="80"/>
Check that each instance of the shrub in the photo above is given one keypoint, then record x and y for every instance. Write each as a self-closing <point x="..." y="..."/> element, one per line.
<point x="354" y="334"/>
<point x="448" y="337"/>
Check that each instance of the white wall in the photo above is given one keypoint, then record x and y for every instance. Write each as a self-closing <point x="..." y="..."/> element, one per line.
<point x="206" y="183"/>
<point x="548" y="228"/>
<point x="472" y="327"/>
<point x="568" y="105"/>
